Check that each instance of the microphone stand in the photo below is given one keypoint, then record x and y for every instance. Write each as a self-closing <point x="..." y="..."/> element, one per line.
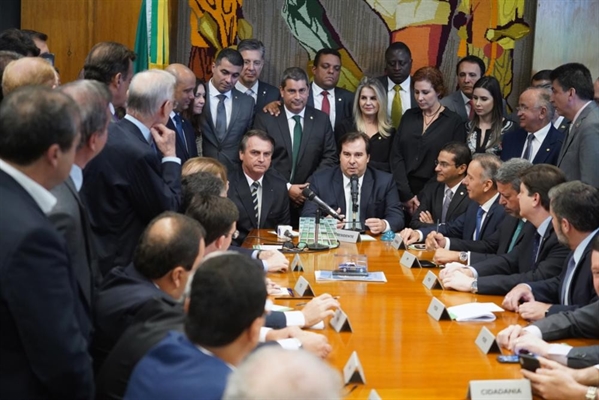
<point x="316" y="245"/>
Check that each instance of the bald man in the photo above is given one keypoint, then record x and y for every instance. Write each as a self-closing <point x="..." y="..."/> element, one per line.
<point x="184" y="96"/>
<point x="28" y="71"/>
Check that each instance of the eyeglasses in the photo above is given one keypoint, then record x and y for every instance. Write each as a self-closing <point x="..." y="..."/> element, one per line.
<point x="443" y="164"/>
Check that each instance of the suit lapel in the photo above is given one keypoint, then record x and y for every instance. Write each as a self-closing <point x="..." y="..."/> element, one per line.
<point x="306" y="131"/>
<point x="245" y="195"/>
<point x="284" y="129"/>
<point x="546" y="146"/>
<point x="339" y="191"/>
<point x="458" y="197"/>
<point x="267" y="199"/>
<point x="366" y="192"/>
<point x="570" y="135"/>
<point x="489" y="216"/>
<point x="311" y="97"/>
<point x="234" y="109"/>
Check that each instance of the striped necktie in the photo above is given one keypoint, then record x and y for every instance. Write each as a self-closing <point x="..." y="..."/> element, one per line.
<point x="255" y="187"/>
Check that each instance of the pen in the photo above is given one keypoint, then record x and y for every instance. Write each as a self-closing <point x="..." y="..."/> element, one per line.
<point x="437" y="226"/>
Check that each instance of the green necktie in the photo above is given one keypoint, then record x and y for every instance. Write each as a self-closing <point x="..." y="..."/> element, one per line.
<point x="515" y="235"/>
<point x="396" y="110"/>
<point x="297" y="139"/>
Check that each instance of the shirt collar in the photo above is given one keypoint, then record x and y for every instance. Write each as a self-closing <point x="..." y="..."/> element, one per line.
<point x="405" y="85"/>
<point x="453" y="188"/>
<point x="318" y="90"/>
<point x="77" y="176"/>
<point x="542" y="133"/>
<point x="542" y="229"/>
<point x="489" y="203"/>
<point x="44" y="199"/>
<point x="579" y="111"/>
<point x="465" y="98"/>
<point x="583" y="245"/>
<point x="239" y="86"/>
<point x="211" y="354"/>
<point x="111" y="107"/>
<point x="558" y="121"/>
<point x="346" y="180"/>
<point x="145" y="131"/>
<point x="213" y="91"/>
<point x="290" y="115"/>
<point x="250" y="180"/>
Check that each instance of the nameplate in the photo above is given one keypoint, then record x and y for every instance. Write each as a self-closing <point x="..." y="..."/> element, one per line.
<point x="398" y="243"/>
<point x="431" y="281"/>
<point x="296" y="264"/>
<point x="486" y="342"/>
<point x="437" y="310"/>
<point x="347" y="236"/>
<point x="340" y="322"/>
<point x="409" y="260"/>
<point x="303" y="288"/>
<point x="374" y="395"/>
<point x="353" y="371"/>
<point x="500" y="389"/>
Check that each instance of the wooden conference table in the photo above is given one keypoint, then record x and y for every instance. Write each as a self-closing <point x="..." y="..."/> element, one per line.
<point x="405" y="353"/>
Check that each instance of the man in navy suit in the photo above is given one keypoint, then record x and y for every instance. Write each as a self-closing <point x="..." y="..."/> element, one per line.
<point x="128" y="184"/>
<point x="252" y="51"/>
<point x="184" y="97"/>
<point x="378" y="201"/>
<point x="537" y="141"/>
<point x="228" y="113"/>
<point x="575" y="218"/>
<point x="44" y="328"/>
<point x="259" y="193"/>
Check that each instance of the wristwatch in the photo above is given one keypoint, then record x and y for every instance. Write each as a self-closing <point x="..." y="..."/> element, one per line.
<point x="591" y="393"/>
<point x="463" y="256"/>
<point x="474" y="286"/>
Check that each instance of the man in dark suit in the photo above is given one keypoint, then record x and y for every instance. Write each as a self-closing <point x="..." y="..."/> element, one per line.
<point x="228" y="113"/>
<point x="378" y="202"/>
<point x="252" y="51"/>
<point x="260" y="194"/>
<point x="127" y="185"/>
<point x="44" y="327"/>
<point x="573" y="98"/>
<point x="537" y="141"/>
<point x="483" y="215"/>
<point x="539" y="256"/>
<point x="325" y="96"/>
<point x="397" y="81"/>
<point x="575" y="218"/>
<point x="69" y="215"/>
<point x="468" y="71"/>
<point x="447" y="198"/>
<point x="184" y="97"/>
<point x="304" y="140"/>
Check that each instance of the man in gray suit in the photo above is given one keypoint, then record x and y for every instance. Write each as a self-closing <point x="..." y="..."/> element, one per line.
<point x="572" y="95"/>
<point x="69" y="215"/>
<point x="228" y="113"/>
<point x="469" y="70"/>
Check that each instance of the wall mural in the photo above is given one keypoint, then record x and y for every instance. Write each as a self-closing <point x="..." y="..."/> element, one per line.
<point x="438" y="32"/>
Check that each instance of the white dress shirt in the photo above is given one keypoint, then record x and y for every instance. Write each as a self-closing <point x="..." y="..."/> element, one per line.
<point x="254" y="90"/>
<point x="540" y="136"/>
<point x="145" y="131"/>
<point x="214" y="100"/>
<point x="44" y="199"/>
<point x="404" y="95"/>
<point x="318" y="97"/>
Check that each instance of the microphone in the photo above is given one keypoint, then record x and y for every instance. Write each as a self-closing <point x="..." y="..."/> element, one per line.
<point x="354" y="192"/>
<point x="321" y="204"/>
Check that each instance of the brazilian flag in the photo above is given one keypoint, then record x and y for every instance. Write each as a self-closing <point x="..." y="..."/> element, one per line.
<point x="151" y="39"/>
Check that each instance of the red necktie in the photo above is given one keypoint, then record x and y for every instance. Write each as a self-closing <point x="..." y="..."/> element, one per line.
<point x="326" y="106"/>
<point x="471" y="113"/>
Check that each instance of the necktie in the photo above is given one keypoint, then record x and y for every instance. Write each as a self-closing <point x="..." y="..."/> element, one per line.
<point x="249" y="92"/>
<point x="221" y="118"/>
<point x="180" y="134"/>
<point x="255" y="187"/>
<point x="479" y="219"/>
<point x="535" y="249"/>
<point x="515" y="235"/>
<point x="568" y="280"/>
<point x="528" y="151"/>
<point x="446" y="202"/>
<point x="153" y="146"/>
<point x="396" y="108"/>
<point x="326" y="106"/>
<point x="297" y="138"/>
<point x="471" y="113"/>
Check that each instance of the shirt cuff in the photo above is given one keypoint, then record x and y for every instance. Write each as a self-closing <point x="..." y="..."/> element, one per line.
<point x="295" y="318"/>
<point x="534" y="330"/>
<point x="263" y="332"/>
<point x="387" y="226"/>
<point x="290" y="344"/>
<point x="171" y="159"/>
<point x="559" y="353"/>
<point x="447" y="243"/>
<point x="420" y="235"/>
<point x="474" y="272"/>
<point x="288" y="186"/>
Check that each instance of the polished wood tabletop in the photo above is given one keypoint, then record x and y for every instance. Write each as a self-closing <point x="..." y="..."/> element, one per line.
<point x="405" y="353"/>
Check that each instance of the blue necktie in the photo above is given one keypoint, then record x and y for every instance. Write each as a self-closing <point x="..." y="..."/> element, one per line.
<point x="179" y="126"/>
<point x="479" y="219"/>
<point x="568" y="280"/>
<point x="535" y="250"/>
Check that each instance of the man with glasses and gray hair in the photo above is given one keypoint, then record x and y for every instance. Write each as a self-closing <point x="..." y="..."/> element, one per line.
<point x="252" y="51"/>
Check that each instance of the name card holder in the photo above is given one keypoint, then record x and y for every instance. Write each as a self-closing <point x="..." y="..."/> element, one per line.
<point x="398" y="243"/>
<point x="431" y="281"/>
<point x="437" y="310"/>
<point x="486" y="341"/>
<point x="347" y="236"/>
<point x="409" y="260"/>
<point x="374" y="395"/>
<point x="303" y="288"/>
<point x="500" y="389"/>
<point x="340" y="322"/>
<point x="353" y="371"/>
<point x="296" y="264"/>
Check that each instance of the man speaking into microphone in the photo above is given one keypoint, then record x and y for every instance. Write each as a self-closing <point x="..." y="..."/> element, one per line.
<point x="374" y="191"/>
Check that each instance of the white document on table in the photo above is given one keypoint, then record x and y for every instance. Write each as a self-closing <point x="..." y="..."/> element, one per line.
<point x="474" y="312"/>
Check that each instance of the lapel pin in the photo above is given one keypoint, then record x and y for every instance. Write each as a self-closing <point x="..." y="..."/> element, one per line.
<point x="339" y="99"/>
<point x="311" y="117"/>
<point x="461" y="193"/>
<point x="548" y="149"/>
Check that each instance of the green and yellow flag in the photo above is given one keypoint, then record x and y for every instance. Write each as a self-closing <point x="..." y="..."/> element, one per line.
<point x="151" y="39"/>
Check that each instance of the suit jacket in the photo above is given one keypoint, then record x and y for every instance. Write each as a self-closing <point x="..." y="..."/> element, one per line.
<point x="579" y="323"/>
<point x="498" y="243"/>
<point x="186" y="150"/>
<point x="564" y="125"/>
<point x="464" y="226"/>
<point x="378" y="196"/>
<point x="584" y="356"/>
<point x="514" y="142"/>
<point x="266" y="94"/>
<point x="70" y="218"/>
<point x="455" y="102"/>
<point x="317" y="148"/>
<point x="227" y="150"/>
<point x="580" y="151"/>
<point x="44" y="328"/>
<point x="275" y="203"/>
<point x="191" y="374"/>
<point x="498" y="275"/>
<point x="431" y="200"/>
<point x="344" y="103"/>
<point x="124" y="188"/>
<point x="581" y="290"/>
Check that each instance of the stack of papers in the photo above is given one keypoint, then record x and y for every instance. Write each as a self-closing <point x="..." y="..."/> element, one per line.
<point x="328" y="276"/>
<point x="474" y="312"/>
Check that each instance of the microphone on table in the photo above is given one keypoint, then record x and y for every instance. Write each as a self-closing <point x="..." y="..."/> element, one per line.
<point x="354" y="197"/>
<point x="321" y="204"/>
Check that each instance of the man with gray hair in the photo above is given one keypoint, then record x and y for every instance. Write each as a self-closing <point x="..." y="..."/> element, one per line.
<point x="69" y="215"/>
<point x="294" y="375"/>
<point x="28" y="71"/>
<point x="538" y="141"/>
<point x="138" y="175"/>
<point x="184" y="97"/>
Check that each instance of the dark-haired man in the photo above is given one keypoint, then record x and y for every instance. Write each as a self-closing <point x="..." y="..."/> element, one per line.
<point x="44" y="326"/>
<point x="40" y="39"/>
<point x="228" y="113"/>
<point x="572" y="96"/>
<point x="18" y="41"/>
<point x="252" y="51"/>
<point x="468" y="71"/>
